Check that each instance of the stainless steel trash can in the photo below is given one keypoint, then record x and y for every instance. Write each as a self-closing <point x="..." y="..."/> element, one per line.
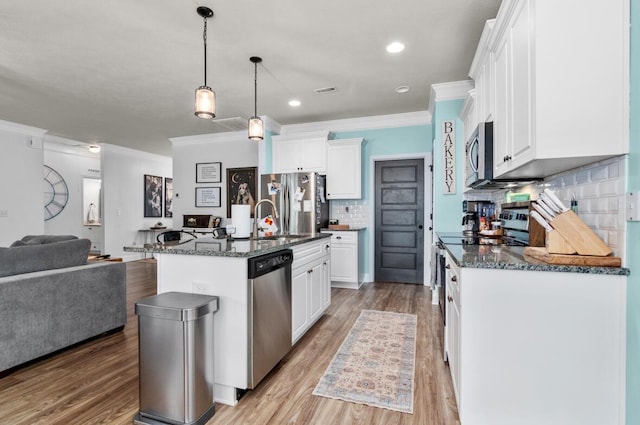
<point x="175" y="335"/>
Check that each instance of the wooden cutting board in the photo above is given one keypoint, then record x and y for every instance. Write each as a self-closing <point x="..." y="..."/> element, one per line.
<point x="571" y="259"/>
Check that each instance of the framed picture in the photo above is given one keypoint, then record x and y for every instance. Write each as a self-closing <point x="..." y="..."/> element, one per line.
<point x="152" y="196"/>
<point x="207" y="196"/>
<point x="168" y="197"/>
<point x="208" y="172"/>
<point x="241" y="187"/>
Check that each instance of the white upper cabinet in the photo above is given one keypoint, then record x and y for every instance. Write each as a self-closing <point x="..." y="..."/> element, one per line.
<point x="558" y="84"/>
<point x="300" y="152"/>
<point x="344" y="169"/>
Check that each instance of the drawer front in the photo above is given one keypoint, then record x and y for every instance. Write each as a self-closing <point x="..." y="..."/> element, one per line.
<point x="338" y="237"/>
<point x="304" y="253"/>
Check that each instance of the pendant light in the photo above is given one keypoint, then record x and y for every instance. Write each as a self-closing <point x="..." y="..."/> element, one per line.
<point x="256" y="125"/>
<point x="205" y="97"/>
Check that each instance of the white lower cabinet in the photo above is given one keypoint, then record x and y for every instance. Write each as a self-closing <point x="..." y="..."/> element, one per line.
<point x="346" y="258"/>
<point x="536" y="347"/>
<point x="310" y="285"/>
<point x="452" y="336"/>
<point x="94" y="234"/>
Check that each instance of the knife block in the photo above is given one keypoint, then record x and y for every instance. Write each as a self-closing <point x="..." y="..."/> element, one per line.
<point x="578" y="235"/>
<point x="556" y="244"/>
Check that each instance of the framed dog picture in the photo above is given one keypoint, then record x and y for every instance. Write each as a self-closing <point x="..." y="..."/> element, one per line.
<point x="242" y="184"/>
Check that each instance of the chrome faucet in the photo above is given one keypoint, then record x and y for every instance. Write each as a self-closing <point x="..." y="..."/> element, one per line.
<point x="255" y="214"/>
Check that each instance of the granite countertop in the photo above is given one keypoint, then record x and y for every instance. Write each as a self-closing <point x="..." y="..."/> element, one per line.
<point x="350" y="229"/>
<point x="513" y="258"/>
<point x="213" y="247"/>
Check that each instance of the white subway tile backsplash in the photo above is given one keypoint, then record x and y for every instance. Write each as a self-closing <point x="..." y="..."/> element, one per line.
<point x="599" y="190"/>
<point x="599" y="173"/>
<point x="352" y="212"/>
<point x="582" y="177"/>
<point x="609" y="188"/>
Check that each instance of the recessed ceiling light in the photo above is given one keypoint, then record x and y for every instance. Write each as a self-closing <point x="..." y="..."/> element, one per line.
<point x="295" y="103"/>
<point x="94" y="148"/>
<point x="395" y="47"/>
<point x="402" y="89"/>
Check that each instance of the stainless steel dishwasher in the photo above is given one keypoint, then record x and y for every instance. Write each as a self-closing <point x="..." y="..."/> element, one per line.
<point x="269" y="312"/>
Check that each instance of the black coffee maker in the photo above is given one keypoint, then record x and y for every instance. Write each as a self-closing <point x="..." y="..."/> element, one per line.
<point x="473" y="212"/>
<point x="470" y="224"/>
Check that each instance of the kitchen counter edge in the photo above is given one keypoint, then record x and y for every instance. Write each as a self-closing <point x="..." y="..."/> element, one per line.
<point x="256" y="247"/>
<point x="514" y="259"/>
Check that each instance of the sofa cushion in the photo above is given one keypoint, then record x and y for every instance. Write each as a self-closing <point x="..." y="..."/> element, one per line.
<point x="43" y="239"/>
<point x="43" y="256"/>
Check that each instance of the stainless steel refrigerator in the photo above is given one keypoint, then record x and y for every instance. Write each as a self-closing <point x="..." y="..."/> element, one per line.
<point x="300" y="199"/>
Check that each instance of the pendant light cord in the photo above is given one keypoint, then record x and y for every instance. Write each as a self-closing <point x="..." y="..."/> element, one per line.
<point x="204" y="39"/>
<point x="255" y="90"/>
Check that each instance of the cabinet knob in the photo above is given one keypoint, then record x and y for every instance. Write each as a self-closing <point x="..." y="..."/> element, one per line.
<point x="327" y="247"/>
<point x="449" y="299"/>
<point x="309" y="271"/>
<point x="454" y="278"/>
<point x="338" y="237"/>
<point x="448" y="266"/>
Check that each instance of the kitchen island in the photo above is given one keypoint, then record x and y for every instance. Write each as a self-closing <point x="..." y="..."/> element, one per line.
<point x="219" y="267"/>
<point x="532" y="343"/>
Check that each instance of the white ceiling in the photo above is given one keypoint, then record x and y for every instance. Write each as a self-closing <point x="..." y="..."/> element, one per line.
<point x="124" y="71"/>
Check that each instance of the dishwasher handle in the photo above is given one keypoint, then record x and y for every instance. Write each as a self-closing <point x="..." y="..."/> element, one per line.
<point x="267" y="263"/>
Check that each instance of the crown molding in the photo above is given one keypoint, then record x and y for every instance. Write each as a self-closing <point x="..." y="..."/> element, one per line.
<point x="13" y="127"/>
<point x="227" y="136"/>
<point x="364" y="123"/>
<point x="107" y="147"/>
<point x="449" y="91"/>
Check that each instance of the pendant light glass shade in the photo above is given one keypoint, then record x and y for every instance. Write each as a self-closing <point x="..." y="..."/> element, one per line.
<point x="256" y="125"/>
<point x="205" y="102"/>
<point x="256" y="128"/>
<point x="205" y="97"/>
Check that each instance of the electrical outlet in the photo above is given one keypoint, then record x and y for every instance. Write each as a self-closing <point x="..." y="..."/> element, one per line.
<point x="633" y="206"/>
<point x="201" y="288"/>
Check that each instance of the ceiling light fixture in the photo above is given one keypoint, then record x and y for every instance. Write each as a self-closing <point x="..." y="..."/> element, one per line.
<point x="402" y="89"/>
<point x="94" y="148"/>
<point x="205" y="97"/>
<point x="294" y="103"/>
<point x="395" y="47"/>
<point x="256" y="125"/>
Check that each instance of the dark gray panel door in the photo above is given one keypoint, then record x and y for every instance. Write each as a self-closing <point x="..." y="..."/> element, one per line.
<point x="399" y="233"/>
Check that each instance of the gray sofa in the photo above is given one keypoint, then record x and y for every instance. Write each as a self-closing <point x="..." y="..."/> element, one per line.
<point x="51" y="297"/>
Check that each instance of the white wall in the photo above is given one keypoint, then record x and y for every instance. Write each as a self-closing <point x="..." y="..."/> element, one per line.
<point x="72" y="163"/>
<point x="233" y="150"/>
<point x="123" y="173"/>
<point x="21" y="184"/>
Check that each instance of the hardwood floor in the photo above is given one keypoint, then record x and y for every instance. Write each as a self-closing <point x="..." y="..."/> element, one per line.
<point x="97" y="382"/>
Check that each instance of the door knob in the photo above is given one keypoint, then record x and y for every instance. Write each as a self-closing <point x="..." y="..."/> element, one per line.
<point x="419" y="226"/>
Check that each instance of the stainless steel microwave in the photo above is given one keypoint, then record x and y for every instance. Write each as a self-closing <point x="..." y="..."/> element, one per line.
<point x="479" y="156"/>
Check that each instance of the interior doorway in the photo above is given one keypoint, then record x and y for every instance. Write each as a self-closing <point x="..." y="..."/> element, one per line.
<point x="399" y="220"/>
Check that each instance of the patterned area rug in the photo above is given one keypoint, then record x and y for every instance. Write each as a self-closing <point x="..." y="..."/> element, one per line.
<point x="375" y="364"/>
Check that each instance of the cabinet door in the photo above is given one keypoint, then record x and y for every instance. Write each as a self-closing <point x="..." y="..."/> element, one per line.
<point x="299" y="306"/>
<point x="316" y="284"/>
<point x="286" y="156"/>
<point x="521" y="136"/>
<point x="344" y="267"/>
<point x="344" y="173"/>
<point x="454" y="346"/>
<point x="326" y="284"/>
<point x="502" y="98"/>
<point x="313" y="155"/>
